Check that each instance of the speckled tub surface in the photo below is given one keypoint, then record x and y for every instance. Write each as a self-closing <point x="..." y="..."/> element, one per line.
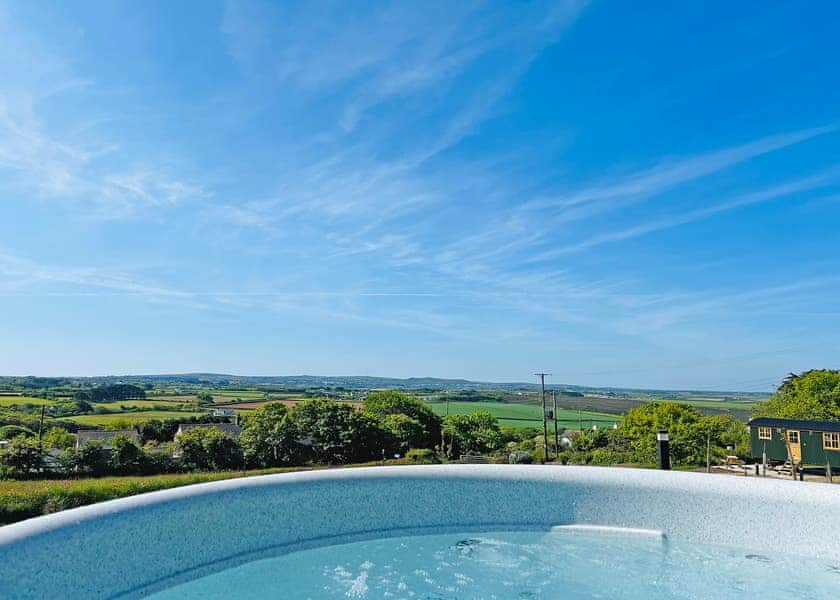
<point x="132" y="546"/>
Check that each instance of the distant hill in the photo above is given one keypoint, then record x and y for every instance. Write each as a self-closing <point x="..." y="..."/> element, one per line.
<point x="350" y="382"/>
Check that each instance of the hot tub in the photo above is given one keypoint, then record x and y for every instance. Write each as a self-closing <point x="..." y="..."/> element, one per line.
<point x="439" y="531"/>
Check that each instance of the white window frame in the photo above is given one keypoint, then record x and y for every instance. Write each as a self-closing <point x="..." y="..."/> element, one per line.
<point x="834" y="437"/>
<point x="765" y="433"/>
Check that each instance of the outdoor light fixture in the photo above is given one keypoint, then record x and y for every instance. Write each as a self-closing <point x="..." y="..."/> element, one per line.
<point x="663" y="451"/>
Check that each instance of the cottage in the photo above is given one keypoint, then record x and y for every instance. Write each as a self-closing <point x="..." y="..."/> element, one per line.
<point x="800" y="442"/>
<point x="223" y="412"/>
<point x="106" y="437"/>
<point x="231" y="429"/>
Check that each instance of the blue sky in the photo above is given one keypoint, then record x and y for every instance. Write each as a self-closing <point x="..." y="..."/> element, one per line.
<point x="619" y="194"/>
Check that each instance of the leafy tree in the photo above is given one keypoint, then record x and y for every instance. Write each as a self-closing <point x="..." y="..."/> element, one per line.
<point x="475" y="433"/>
<point x="270" y="437"/>
<point x="111" y="393"/>
<point x="406" y="432"/>
<point x="22" y="455"/>
<point x="8" y="432"/>
<point x="126" y="457"/>
<point x="73" y="406"/>
<point x="687" y="439"/>
<point x="337" y="433"/>
<point x="724" y="431"/>
<point x="208" y="449"/>
<point x="590" y="440"/>
<point x="812" y="395"/>
<point x="390" y="402"/>
<point x="157" y="430"/>
<point x="88" y="459"/>
<point x="58" y="437"/>
<point x="204" y="397"/>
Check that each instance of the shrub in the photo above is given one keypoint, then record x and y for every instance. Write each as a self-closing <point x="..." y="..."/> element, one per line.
<point x="8" y="432"/>
<point x="207" y="449"/>
<point x="520" y="457"/>
<point x="22" y="455"/>
<point x="412" y="423"/>
<point x="422" y="456"/>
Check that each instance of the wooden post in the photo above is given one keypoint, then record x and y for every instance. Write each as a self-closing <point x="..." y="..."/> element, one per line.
<point x="708" y="453"/>
<point x="556" y="433"/>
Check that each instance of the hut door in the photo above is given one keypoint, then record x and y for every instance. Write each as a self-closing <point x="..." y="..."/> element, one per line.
<point x="795" y="448"/>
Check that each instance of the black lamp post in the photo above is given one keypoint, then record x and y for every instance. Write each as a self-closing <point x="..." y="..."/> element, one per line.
<point x="663" y="450"/>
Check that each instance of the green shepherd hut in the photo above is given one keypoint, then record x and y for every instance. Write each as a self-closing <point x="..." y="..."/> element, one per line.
<point x="800" y="442"/>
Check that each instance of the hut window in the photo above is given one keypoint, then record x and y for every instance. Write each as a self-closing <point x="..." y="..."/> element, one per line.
<point x="793" y="437"/>
<point x="831" y="440"/>
<point x="765" y="433"/>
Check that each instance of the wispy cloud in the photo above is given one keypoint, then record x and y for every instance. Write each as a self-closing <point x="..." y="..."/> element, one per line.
<point x="23" y="276"/>
<point x="46" y="153"/>
<point x="671" y="173"/>
<point x="773" y="193"/>
<point x="371" y="57"/>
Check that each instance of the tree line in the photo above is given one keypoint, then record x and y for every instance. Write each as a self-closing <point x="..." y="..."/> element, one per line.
<point x="322" y="431"/>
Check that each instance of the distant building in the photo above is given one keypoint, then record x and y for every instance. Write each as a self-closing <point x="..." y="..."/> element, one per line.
<point x="106" y="437"/>
<point x="223" y="412"/>
<point x="231" y="429"/>
<point x="800" y="442"/>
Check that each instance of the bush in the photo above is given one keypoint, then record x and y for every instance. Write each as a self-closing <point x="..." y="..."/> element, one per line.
<point x="207" y="449"/>
<point x="22" y="456"/>
<point x="8" y="432"/>
<point x="411" y="422"/>
<point x="520" y="457"/>
<point x="422" y="456"/>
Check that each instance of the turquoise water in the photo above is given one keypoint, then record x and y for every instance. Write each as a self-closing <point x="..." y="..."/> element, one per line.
<point x="519" y="565"/>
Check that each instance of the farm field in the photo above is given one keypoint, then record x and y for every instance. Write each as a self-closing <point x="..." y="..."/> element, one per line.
<point x="289" y="402"/>
<point x="238" y="393"/>
<point x="509" y="414"/>
<point x="115" y="406"/>
<point x="20" y="400"/>
<point x="179" y="398"/>
<point x="132" y="417"/>
<point x="721" y="404"/>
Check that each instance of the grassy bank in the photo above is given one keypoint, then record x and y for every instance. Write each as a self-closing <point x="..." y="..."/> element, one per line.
<point x="25" y="499"/>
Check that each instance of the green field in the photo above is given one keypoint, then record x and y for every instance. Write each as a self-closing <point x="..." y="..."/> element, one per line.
<point x="171" y="398"/>
<point x="238" y="393"/>
<point x="165" y="402"/>
<point x="508" y="414"/>
<point x="722" y="404"/>
<point x="132" y="417"/>
<point x="20" y="400"/>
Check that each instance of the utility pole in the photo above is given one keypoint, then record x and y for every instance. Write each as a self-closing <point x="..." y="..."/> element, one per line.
<point x="556" y="433"/>
<point x="545" y="422"/>
<point x="41" y="428"/>
<point x="41" y="437"/>
<point x="708" y="452"/>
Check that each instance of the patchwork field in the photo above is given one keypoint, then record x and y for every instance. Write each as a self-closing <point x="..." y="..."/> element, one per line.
<point x="288" y="402"/>
<point x="104" y="420"/>
<point x="237" y="394"/>
<point x="147" y="404"/>
<point x="20" y="400"/>
<point x="170" y="398"/>
<point x="526" y="415"/>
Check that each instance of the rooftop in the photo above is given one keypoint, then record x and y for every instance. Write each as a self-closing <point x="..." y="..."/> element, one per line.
<point x="795" y="424"/>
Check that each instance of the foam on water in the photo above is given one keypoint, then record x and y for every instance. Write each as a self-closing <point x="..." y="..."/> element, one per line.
<point x="520" y="565"/>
